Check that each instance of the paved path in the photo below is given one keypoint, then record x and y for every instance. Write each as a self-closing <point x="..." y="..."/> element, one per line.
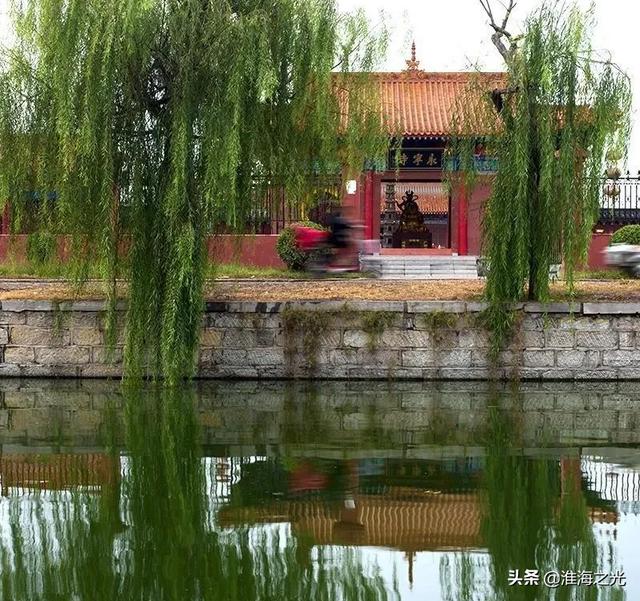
<point x="331" y="289"/>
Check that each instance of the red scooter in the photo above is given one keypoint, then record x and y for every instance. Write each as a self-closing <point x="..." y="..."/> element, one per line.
<point x="326" y="249"/>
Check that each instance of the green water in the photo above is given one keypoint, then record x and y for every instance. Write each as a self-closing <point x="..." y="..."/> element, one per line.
<point x="247" y="491"/>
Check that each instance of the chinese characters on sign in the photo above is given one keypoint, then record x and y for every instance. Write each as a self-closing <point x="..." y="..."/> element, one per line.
<point x="417" y="158"/>
<point x="433" y="158"/>
<point x="554" y="578"/>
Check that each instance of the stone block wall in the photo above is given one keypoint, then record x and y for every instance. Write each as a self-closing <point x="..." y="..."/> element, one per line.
<point x="338" y="340"/>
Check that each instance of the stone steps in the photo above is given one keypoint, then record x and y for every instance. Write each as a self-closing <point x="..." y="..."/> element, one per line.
<point x="394" y="267"/>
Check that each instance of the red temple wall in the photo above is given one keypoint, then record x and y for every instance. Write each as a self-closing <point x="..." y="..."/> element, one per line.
<point x="13" y="246"/>
<point x="361" y="207"/>
<point x="599" y="241"/>
<point x="260" y="250"/>
<point x="475" y="205"/>
<point x="251" y="250"/>
<point x="477" y="202"/>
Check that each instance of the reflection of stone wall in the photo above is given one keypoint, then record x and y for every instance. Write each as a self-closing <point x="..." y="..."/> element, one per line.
<point x="430" y="417"/>
<point x="356" y="340"/>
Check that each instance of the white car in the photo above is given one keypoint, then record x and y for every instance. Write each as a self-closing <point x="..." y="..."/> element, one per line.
<point x="624" y="256"/>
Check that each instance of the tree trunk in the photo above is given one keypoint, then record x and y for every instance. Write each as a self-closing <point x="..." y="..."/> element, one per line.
<point x="534" y="191"/>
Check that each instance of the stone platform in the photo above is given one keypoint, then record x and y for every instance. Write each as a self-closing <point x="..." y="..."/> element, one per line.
<point x="420" y="267"/>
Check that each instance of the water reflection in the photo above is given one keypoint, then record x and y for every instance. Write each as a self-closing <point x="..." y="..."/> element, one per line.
<point x="539" y="514"/>
<point x="339" y="501"/>
<point x="147" y="532"/>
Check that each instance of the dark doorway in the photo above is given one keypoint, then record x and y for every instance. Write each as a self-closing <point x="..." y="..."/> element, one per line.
<point x="434" y="202"/>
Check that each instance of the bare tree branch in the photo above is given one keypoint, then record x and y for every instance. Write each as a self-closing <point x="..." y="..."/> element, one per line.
<point x="487" y="8"/>
<point x="500" y="31"/>
<point x="505" y="21"/>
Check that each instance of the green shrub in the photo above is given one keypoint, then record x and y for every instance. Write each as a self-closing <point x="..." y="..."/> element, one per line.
<point x="629" y="234"/>
<point x="293" y="257"/>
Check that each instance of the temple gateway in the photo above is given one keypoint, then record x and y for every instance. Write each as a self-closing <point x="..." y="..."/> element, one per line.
<point x="408" y="209"/>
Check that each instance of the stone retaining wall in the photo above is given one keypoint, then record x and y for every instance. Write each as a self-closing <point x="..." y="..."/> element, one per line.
<point x="355" y="340"/>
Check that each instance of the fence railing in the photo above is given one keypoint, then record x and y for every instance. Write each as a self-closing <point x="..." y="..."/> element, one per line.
<point x="620" y="199"/>
<point x="272" y="210"/>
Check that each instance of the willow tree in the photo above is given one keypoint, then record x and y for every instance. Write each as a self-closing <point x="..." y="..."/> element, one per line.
<point x="561" y="112"/>
<point x="138" y="127"/>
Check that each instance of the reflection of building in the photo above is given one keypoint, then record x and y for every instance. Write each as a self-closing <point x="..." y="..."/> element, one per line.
<point x="384" y="503"/>
<point x="407" y="505"/>
<point x="56" y="472"/>
<point x="423" y="521"/>
<point x="615" y="480"/>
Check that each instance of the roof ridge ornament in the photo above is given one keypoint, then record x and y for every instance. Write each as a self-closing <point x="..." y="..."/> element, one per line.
<point x="413" y="65"/>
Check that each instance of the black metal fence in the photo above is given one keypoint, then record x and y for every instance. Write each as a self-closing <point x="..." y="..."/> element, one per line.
<point x="620" y="199"/>
<point x="273" y="210"/>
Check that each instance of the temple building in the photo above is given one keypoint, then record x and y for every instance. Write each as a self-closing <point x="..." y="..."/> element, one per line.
<point x="421" y="105"/>
<point x="414" y="222"/>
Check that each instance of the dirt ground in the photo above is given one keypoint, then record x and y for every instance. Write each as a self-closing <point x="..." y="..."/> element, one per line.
<point x="348" y="289"/>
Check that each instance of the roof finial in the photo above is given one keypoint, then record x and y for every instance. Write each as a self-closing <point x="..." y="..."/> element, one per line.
<point x="412" y="63"/>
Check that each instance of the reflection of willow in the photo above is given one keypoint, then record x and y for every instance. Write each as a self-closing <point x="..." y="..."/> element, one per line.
<point x="535" y="517"/>
<point x="305" y="418"/>
<point x="314" y="415"/>
<point x="157" y="542"/>
<point x="520" y="497"/>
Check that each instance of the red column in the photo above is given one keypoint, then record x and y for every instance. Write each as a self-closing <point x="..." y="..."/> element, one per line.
<point x="375" y="207"/>
<point x="463" y="218"/>
<point x="368" y="206"/>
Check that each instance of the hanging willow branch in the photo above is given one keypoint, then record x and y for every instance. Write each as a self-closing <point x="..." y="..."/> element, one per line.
<point x="559" y="112"/>
<point x="150" y="122"/>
